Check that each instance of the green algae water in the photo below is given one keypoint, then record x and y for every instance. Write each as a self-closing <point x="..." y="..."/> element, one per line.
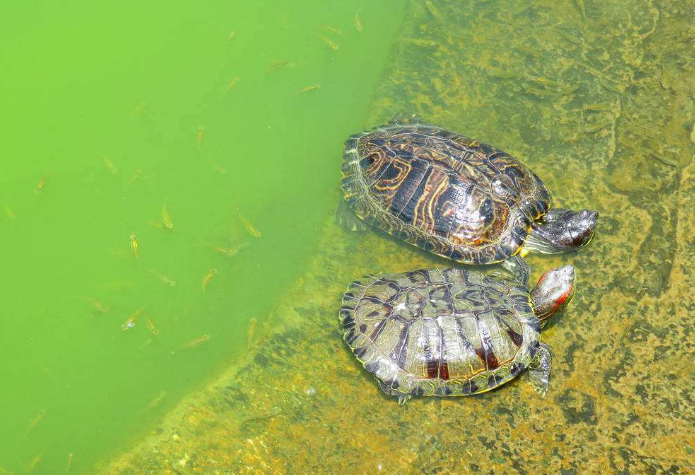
<point x="208" y="138"/>
<point x="165" y="168"/>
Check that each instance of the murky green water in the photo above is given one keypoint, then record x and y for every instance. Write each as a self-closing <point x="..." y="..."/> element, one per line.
<point x="596" y="97"/>
<point x="112" y="112"/>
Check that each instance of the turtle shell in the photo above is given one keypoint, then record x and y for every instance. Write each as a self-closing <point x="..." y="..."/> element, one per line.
<point x="440" y="332"/>
<point x="442" y="192"/>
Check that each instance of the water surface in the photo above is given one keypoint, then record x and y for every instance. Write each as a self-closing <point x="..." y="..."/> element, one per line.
<point x="218" y="113"/>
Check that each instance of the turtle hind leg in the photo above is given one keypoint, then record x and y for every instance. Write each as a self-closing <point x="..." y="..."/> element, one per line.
<point x="539" y="369"/>
<point x="518" y="266"/>
<point x="347" y="219"/>
<point x="388" y="389"/>
<point x="401" y="118"/>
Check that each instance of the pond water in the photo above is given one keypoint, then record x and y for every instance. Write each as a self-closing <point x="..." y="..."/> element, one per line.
<point x="217" y="115"/>
<point x="174" y="172"/>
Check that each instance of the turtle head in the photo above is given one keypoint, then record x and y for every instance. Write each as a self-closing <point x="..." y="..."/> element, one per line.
<point x="553" y="292"/>
<point x="562" y="230"/>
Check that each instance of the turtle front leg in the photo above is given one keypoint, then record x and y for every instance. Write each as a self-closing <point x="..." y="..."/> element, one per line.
<point x="518" y="266"/>
<point x="539" y="369"/>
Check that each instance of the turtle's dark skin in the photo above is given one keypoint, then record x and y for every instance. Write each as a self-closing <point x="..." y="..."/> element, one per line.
<point x="455" y="197"/>
<point x="452" y="332"/>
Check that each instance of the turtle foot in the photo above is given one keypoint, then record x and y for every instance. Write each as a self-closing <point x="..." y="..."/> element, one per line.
<point x="347" y="219"/>
<point x="402" y="399"/>
<point x="518" y="266"/>
<point x="539" y="369"/>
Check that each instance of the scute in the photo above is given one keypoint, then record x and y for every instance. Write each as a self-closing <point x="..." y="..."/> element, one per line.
<point x="442" y="192"/>
<point x="439" y="331"/>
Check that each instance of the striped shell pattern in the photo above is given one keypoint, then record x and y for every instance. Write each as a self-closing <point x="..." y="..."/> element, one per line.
<point x="443" y="332"/>
<point x="442" y="192"/>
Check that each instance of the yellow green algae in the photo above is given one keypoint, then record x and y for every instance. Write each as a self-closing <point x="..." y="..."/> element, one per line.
<point x="597" y="98"/>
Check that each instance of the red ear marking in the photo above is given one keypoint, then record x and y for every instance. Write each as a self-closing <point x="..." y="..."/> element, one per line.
<point x="563" y="297"/>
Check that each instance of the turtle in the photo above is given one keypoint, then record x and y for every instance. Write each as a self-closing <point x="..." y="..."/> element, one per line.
<point x="452" y="331"/>
<point x="455" y="197"/>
